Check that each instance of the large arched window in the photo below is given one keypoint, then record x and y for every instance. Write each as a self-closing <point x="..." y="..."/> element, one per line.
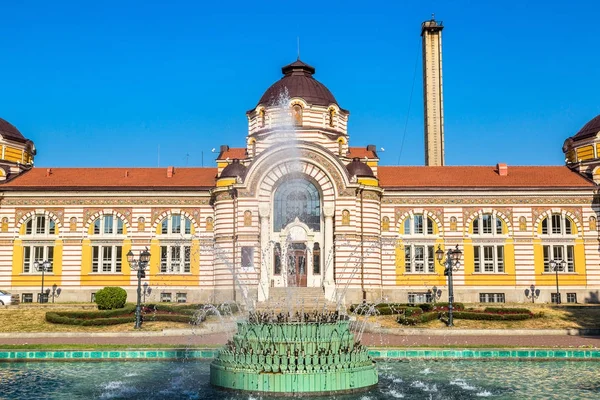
<point x="175" y="244"/>
<point x="297" y="198"/>
<point x="38" y="237"/>
<point x="107" y="244"/>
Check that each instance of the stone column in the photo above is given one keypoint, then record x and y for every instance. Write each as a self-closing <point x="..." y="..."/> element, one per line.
<point x="328" y="281"/>
<point x="265" y="253"/>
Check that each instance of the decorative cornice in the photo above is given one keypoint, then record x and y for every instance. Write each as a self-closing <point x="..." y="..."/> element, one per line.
<point x="576" y="200"/>
<point x="107" y="202"/>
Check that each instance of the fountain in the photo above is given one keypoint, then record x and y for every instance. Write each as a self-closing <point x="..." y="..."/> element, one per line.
<point x="306" y="353"/>
<point x="285" y="348"/>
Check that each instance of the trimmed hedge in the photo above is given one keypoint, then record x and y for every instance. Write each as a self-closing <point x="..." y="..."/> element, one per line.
<point x="482" y="316"/>
<point x="185" y="314"/>
<point x="443" y="306"/>
<point x="128" y="309"/>
<point x="111" y="298"/>
<point x="418" y="319"/>
<point x="56" y="318"/>
<point x="508" y="310"/>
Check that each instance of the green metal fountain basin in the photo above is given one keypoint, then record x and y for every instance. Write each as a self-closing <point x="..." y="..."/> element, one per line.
<point x="294" y="358"/>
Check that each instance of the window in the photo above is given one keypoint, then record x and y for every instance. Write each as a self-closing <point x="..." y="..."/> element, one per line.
<point x="297" y="198"/>
<point x="93" y="299"/>
<point x="34" y="253"/>
<point x="419" y="259"/>
<point x="331" y="118"/>
<point x="487" y="224"/>
<point x="557" y="224"/>
<point x="418" y="224"/>
<point x="559" y="252"/>
<point x="165" y="297"/>
<point x="247" y="258"/>
<point x="316" y="259"/>
<point x="27" y="298"/>
<point x="107" y="258"/>
<point x="176" y="224"/>
<point x="277" y="259"/>
<point x="108" y="225"/>
<point x="40" y="225"/>
<point x="491" y="298"/>
<point x="571" y="297"/>
<point x="417" y="298"/>
<point x="181" y="297"/>
<point x="175" y="259"/>
<point x="489" y="259"/>
<point x="297" y="114"/>
<point x="555" y="298"/>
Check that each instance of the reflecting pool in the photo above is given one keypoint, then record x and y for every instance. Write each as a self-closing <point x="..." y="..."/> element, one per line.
<point x="413" y="379"/>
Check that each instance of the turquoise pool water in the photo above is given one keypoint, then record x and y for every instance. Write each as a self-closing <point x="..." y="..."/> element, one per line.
<point x="415" y="379"/>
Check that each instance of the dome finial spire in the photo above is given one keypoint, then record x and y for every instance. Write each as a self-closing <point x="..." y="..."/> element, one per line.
<point x="298" y="59"/>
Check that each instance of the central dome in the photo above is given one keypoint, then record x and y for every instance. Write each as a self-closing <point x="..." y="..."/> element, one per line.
<point x="299" y="82"/>
<point x="8" y="131"/>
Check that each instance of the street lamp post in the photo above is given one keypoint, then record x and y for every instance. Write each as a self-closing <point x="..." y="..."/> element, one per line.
<point x="532" y="293"/>
<point x="43" y="266"/>
<point x="557" y="266"/>
<point x="451" y="263"/>
<point x="56" y="291"/>
<point x="146" y="290"/>
<point x="139" y="265"/>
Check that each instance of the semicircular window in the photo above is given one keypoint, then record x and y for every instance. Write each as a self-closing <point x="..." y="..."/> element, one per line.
<point x="297" y="198"/>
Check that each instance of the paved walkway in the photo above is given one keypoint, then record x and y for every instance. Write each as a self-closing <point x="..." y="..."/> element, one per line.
<point x="401" y="338"/>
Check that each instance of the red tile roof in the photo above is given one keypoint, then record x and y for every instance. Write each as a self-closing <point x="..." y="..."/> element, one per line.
<point x="238" y="152"/>
<point x="480" y="177"/>
<point x="360" y="152"/>
<point x="112" y="178"/>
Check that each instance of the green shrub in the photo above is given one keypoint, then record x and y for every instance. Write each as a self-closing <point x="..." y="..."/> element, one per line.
<point x="111" y="298"/>
<point x="426" y="307"/>
<point x="413" y="311"/>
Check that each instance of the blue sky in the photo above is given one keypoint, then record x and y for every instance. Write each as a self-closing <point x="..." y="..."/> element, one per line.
<point x="109" y="83"/>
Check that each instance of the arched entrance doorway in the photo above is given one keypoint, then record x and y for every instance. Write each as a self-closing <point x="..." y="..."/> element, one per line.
<point x="297" y="227"/>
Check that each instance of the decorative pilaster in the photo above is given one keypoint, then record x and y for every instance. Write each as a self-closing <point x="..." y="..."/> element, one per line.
<point x="328" y="283"/>
<point x="265" y="253"/>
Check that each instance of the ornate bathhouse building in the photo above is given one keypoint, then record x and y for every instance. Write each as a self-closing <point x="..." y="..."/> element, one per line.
<point x="298" y="206"/>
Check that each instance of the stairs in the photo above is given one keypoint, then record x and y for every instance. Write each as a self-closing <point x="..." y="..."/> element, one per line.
<point x="283" y="299"/>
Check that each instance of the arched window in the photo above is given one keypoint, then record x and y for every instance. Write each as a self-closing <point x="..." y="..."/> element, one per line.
<point x="175" y="244"/>
<point x="332" y="117"/>
<point x="419" y="256"/>
<point x="297" y="198"/>
<point x="174" y="225"/>
<point x="38" y="242"/>
<point x="107" y="246"/>
<point x="418" y="224"/>
<point x="297" y="114"/>
<point x="261" y="118"/>
<point x="487" y="224"/>
<point x="558" y="226"/>
<point x="108" y="225"/>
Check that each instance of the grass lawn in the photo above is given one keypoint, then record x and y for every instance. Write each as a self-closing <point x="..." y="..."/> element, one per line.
<point x="32" y="319"/>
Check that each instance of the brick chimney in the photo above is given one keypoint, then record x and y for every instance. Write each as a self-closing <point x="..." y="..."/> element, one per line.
<point x="170" y="172"/>
<point x="502" y="169"/>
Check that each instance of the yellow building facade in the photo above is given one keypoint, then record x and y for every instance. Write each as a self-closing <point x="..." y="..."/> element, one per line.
<point x="297" y="206"/>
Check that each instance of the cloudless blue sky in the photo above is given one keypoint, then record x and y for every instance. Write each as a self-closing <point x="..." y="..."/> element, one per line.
<point x="108" y="83"/>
